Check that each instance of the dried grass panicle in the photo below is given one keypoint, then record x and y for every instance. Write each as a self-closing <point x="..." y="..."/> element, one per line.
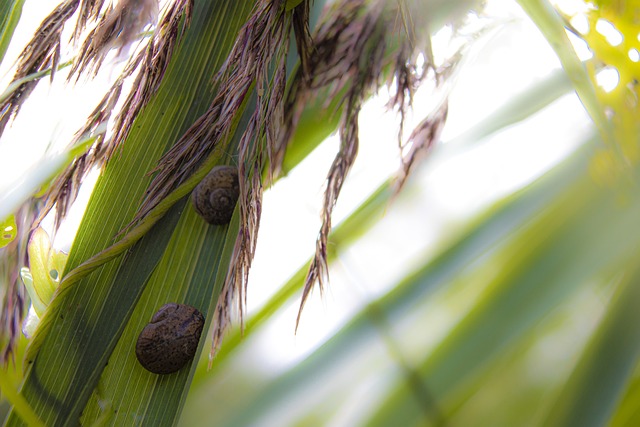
<point x="12" y="292"/>
<point x="42" y="52"/>
<point x="64" y="190"/>
<point x="261" y="46"/>
<point x="151" y="65"/>
<point x="89" y="11"/>
<point x="422" y="139"/>
<point x="336" y="46"/>
<point x="304" y="40"/>
<point x="360" y="45"/>
<point x="12" y="305"/>
<point x="118" y="28"/>
<point x="158" y="53"/>
<point x="248" y="60"/>
<point x="407" y="78"/>
<point x="350" y="54"/>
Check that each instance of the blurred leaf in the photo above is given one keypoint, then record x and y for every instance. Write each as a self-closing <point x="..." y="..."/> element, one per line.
<point x="628" y="411"/>
<point x="552" y="27"/>
<point x="599" y="380"/>
<point x="585" y="233"/>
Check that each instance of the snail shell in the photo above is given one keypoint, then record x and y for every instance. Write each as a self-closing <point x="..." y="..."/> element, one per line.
<point x="170" y="340"/>
<point x="215" y="197"/>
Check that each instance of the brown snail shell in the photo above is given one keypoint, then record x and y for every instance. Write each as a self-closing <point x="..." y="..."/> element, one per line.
<point x="216" y="196"/>
<point x="170" y="340"/>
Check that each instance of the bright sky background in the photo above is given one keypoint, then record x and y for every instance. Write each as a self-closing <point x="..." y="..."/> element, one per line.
<point x="453" y="185"/>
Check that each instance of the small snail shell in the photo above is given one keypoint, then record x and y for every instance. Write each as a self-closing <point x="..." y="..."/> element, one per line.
<point x="171" y="339"/>
<point x="216" y="196"/>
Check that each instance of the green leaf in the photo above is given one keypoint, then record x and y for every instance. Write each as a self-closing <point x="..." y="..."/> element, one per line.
<point x="583" y="234"/>
<point x="628" y="411"/>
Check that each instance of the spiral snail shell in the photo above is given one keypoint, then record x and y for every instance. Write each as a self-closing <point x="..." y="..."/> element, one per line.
<point x="170" y="340"/>
<point x="215" y="197"/>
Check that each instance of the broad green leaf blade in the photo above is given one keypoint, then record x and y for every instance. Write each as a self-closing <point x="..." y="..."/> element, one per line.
<point x="185" y="274"/>
<point x="596" y="385"/>
<point x="196" y="268"/>
<point x="85" y="323"/>
<point x="10" y="12"/>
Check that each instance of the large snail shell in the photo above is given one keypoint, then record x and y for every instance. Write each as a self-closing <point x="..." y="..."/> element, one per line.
<point x="216" y="196"/>
<point x="170" y="340"/>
